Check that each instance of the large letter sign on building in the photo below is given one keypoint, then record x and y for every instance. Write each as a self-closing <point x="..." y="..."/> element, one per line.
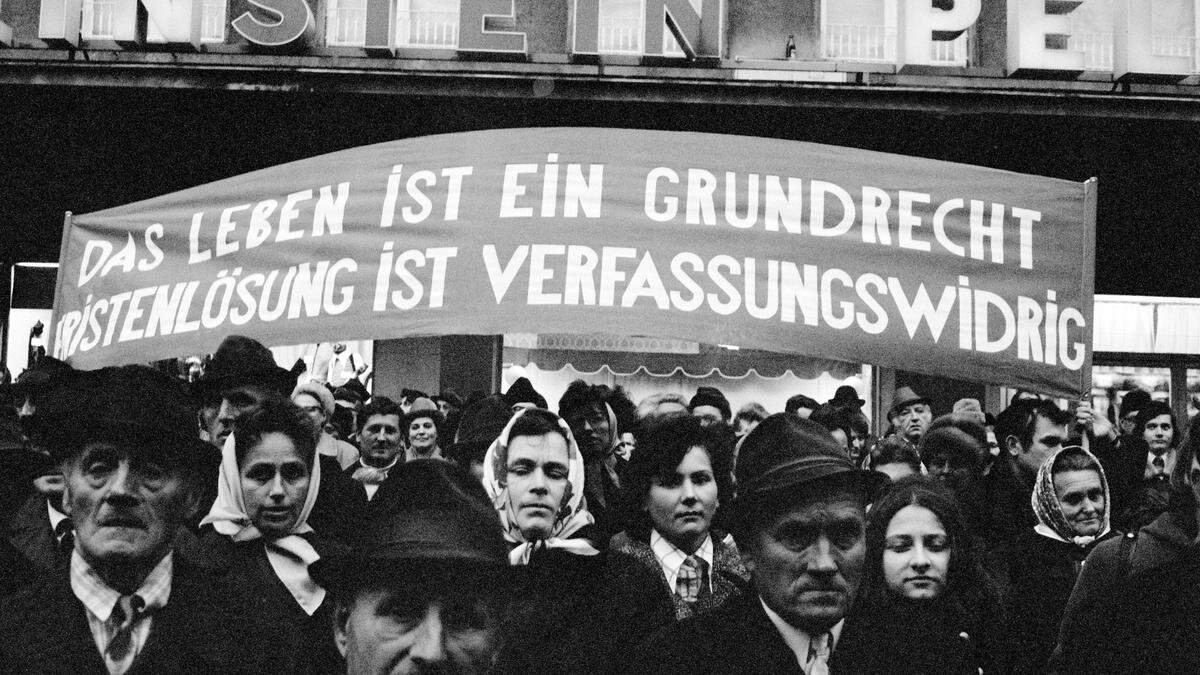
<point x="861" y="256"/>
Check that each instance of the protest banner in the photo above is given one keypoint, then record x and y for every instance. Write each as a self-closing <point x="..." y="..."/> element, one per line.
<point x="910" y="263"/>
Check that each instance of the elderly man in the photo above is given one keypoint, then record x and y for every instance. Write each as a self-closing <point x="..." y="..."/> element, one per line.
<point x="425" y="589"/>
<point x="316" y="401"/>
<point x="127" y="603"/>
<point x="910" y="415"/>
<point x="799" y="521"/>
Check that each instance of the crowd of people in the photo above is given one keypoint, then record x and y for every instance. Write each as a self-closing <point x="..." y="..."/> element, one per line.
<point x="245" y="522"/>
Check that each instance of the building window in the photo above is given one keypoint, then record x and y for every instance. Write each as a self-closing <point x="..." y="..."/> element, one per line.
<point x="346" y="23"/>
<point x="213" y="20"/>
<point x="622" y="25"/>
<point x="1173" y="31"/>
<point x="427" y="23"/>
<point x="98" y="19"/>
<point x="865" y="31"/>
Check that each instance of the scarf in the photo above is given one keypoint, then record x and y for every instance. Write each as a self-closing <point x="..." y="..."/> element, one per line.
<point x="604" y="472"/>
<point x="572" y="513"/>
<point x="1051" y="521"/>
<point x="290" y="555"/>
<point x="370" y="475"/>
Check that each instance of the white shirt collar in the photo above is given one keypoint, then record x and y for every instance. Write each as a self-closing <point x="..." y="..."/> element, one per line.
<point x="670" y="558"/>
<point x="100" y="598"/>
<point x="56" y="516"/>
<point x="796" y="639"/>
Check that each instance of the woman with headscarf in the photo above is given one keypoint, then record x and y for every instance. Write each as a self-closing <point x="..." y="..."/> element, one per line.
<point x="422" y="428"/>
<point x="676" y="482"/>
<point x="925" y="604"/>
<point x="569" y="613"/>
<point x="1135" y="605"/>
<point x="258" y="530"/>
<point x="1071" y="501"/>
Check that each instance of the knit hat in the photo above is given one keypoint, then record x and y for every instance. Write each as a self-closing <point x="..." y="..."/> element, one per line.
<point x="710" y="396"/>
<point x="970" y="407"/>
<point x="317" y="391"/>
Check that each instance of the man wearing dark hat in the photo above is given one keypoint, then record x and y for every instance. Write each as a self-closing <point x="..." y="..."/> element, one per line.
<point x="910" y="415"/>
<point x="125" y="442"/>
<point x="710" y="405"/>
<point x="799" y="521"/>
<point x="426" y="586"/>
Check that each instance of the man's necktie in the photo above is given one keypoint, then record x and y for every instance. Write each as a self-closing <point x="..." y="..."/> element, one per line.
<point x="818" y="655"/>
<point x="690" y="580"/>
<point x="125" y="615"/>
<point x="1160" y="465"/>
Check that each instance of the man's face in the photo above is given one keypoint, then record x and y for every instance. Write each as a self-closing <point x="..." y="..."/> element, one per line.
<point x="1048" y="438"/>
<point x="312" y="407"/>
<point x="708" y="414"/>
<point x="125" y="506"/>
<point x="379" y="440"/>
<point x="808" y="560"/>
<point x="912" y="420"/>
<point x="589" y="424"/>
<point x="233" y="403"/>
<point x="435" y="628"/>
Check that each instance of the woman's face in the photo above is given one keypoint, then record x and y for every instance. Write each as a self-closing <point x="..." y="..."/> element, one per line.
<point x="274" y="484"/>
<point x="1081" y="498"/>
<point x="1159" y="433"/>
<point x="536" y="477"/>
<point x="422" y="435"/>
<point x="681" y="506"/>
<point x="916" y="554"/>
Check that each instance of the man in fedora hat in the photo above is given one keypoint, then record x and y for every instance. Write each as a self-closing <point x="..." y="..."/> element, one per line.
<point x="124" y="439"/>
<point x="799" y="521"/>
<point x="425" y="587"/>
<point x="910" y="415"/>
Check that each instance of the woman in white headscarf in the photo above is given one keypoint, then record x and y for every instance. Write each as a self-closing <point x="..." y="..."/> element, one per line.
<point x="1071" y="500"/>
<point x="259" y="533"/>
<point x="572" y="612"/>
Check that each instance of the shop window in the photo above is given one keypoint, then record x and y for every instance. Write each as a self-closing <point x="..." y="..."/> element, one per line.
<point x="865" y="31"/>
<point x="622" y="24"/>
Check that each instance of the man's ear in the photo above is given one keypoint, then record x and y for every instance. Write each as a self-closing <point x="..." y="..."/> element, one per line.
<point x="1014" y="445"/>
<point x="341" y="618"/>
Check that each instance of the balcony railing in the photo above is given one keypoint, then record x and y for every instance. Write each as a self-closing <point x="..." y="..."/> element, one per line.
<point x="346" y="23"/>
<point x="620" y="35"/>
<point x="213" y="19"/>
<point x="98" y="18"/>
<point x="877" y="44"/>
<point x="1163" y="45"/>
<point x="1097" y="49"/>
<point x="427" y="29"/>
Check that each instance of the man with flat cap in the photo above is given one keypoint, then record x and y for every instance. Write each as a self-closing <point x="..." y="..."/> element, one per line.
<point x="799" y="521"/>
<point x="126" y="443"/>
<point x="427" y="584"/>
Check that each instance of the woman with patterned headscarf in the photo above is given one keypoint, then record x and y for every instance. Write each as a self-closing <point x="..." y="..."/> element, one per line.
<point x="569" y="614"/>
<point x="1072" y="503"/>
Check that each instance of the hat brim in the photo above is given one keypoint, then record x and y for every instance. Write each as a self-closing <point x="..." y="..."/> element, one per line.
<point x="788" y="481"/>
<point x="896" y="407"/>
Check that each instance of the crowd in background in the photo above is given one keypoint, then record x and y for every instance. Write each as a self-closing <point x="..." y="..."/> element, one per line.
<point x="235" y="517"/>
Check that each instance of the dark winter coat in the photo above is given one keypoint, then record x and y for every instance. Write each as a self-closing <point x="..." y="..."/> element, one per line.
<point x="205" y="628"/>
<point x="1040" y="574"/>
<point x="579" y="614"/>
<point x="1136" y="612"/>
<point x="914" y="637"/>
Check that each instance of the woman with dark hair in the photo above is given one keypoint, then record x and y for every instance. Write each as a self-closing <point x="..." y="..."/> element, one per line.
<point x="570" y="614"/>
<point x="675" y="484"/>
<point x="1071" y="500"/>
<point x="1149" y="455"/>
<point x="257" y="531"/>
<point x="926" y="605"/>
<point x="1135" y="605"/>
